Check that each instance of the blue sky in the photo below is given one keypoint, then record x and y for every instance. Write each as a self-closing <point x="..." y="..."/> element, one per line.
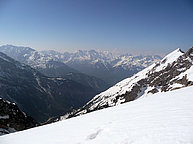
<point x="135" y="26"/>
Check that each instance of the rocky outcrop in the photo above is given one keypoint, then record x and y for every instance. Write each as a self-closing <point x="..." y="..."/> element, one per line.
<point x="13" y="119"/>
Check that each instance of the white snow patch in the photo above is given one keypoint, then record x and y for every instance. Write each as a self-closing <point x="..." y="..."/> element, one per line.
<point x="163" y="118"/>
<point x="188" y="72"/>
<point x="4" y="117"/>
<point x="176" y="85"/>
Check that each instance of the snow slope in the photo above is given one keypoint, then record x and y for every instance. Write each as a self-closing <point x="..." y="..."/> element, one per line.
<point x="162" y="118"/>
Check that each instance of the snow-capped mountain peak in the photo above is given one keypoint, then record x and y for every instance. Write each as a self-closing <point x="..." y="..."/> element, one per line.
<point x="169" y="59"/>
<point x="104" y="65"/>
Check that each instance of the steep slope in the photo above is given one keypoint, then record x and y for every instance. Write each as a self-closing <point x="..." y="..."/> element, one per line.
<point x="12" y="119"/>
<point x="89" y="81"/>
<point x="58" y="69"/>
<point x="39" y="96"/>
<point x="163" y="118"/>
<point x="52" y="66"/>
<point x="172" y="72"/>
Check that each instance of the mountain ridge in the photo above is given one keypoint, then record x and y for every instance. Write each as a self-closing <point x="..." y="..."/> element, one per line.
<point x="172" y="72"/>
<point x="52" y="67"/>
<point x="102" y="65"/>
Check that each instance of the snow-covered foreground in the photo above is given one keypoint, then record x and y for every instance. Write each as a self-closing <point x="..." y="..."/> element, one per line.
<point x="163" y="118"/>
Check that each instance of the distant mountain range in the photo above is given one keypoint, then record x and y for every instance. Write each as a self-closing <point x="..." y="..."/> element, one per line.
<point x="39" y="96"/>
<point x="52" y="67"/>
<point x="174" y="71"/>
<point x="102" y="65"/>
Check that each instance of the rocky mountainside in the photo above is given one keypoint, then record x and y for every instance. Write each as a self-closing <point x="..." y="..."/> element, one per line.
<point x="39" y="96"/>
<point x="58" y="69"/>
<point x="13" y="119"/>
<point x="173" y="72"/>
<point x="100" y="64"/>
<point x="52" y="66"/>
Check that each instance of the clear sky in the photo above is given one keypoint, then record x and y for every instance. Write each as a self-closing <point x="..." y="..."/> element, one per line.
<point x="135" y="26"/>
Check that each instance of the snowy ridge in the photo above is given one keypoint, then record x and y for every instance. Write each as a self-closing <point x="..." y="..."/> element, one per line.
<point x="36" y="58"/>
<point x="163" y="118"/>
<point x="39" y="59"/>
<point x="172" y="72"/>
<point x="26" y="55"/>
<point x="101" y="64"/>
<point x="128" y="61"/>
<point x="105" y="57"/>
<point x="169" y="59"/>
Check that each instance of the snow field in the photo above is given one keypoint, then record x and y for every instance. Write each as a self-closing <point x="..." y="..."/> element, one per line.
<point x="162" y="118"/>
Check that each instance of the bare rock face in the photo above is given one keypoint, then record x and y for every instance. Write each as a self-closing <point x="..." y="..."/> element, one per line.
<point x="168" y="74"/>
<point x="13" y="119"/>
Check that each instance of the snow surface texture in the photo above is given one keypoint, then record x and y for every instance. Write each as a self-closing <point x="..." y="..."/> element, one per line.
<point x="162" y="118"/>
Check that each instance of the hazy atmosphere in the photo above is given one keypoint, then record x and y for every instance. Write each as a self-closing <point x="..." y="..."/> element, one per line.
<point x="134" y="26"/>
<point x="96" y="71"/>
